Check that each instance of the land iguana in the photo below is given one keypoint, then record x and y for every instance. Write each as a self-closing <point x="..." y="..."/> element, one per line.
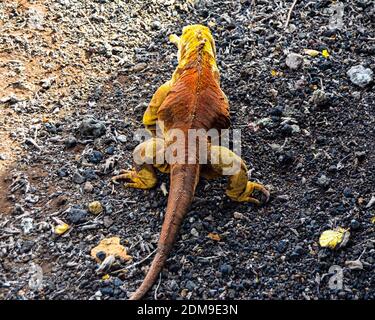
<point x="191" y="99"/>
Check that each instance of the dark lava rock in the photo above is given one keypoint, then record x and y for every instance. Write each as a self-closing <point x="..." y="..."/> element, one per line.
<point x="117" y="282"/>
<point x="354" y="225"/>
<point x="361" y="155"/>
<point x="332" y="168"/>
<point x="174" y="268"/>
<point x="91" y="128"/>
<point x="70" y="142"/>
<point x="225" y="269"/>
<point x="325" y="65"/>
<point x="101" y="255"/>
<point x="276" y="112"/>
<point x="297" y="252"/>
<point x="76" y="215"/>
<point x="282" y="246"/>
<point x="110" y="150"/>
<point x="190" y="285"/>
<point x="320" y="140"/>
<point x="63" y="172"/>
<point x="95" y="157"/>
<point x="212" y="292"/>
<point x="77" y="178"/>
<point x="348" y="193"/>
<point x="26" y="246"/>
<point x="286" y="129"/>
<point x="90" y="174"/>
<point x="51" y="128"/>
<point x="324" y="253"/>
<point x="286" y="158"/>
<point x="340" y="209"/>
<point x="107" y="291"/>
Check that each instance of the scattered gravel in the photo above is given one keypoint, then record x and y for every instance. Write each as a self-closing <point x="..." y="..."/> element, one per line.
<point x="75" y="79"/>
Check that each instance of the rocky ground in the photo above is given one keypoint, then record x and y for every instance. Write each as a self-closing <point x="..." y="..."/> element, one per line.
<point x="307" y="133"/>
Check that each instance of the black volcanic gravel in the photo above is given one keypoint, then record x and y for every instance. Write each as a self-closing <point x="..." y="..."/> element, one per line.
<point x="313" y="149"/>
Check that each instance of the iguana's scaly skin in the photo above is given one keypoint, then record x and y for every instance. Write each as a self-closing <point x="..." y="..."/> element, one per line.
<point x="192" y="99"/>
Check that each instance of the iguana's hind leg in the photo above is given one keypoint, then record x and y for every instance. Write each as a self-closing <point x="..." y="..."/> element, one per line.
<point x="225" y="162"/>
<point x="145" y="155"/>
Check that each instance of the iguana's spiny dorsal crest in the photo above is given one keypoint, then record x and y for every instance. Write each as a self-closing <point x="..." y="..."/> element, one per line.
<point x="195" y="100"/>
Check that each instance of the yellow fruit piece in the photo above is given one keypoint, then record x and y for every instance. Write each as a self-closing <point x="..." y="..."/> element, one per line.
<point x="311" y="52"/>
<point x="111" y="246"/>
<point x="325" y="53"/>
<point x="95" y="207"/>
<point x="61" y="228"/>
<point x="373" y="220"/>
<point x="106" y="277"/>
<point x="275" y="73"/>
<point x="214" y="236"/>
<point x="332" y="238"/>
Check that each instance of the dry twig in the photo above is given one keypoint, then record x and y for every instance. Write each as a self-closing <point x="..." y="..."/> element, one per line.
<point x="290" y="13"/>
<point x="157" y="288"/>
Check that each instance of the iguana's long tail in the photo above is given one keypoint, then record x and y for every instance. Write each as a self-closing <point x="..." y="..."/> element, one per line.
<point x="184" y="178"/>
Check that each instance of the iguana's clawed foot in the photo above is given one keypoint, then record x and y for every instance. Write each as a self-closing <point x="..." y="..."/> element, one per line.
<point x="248" y="194"/>
<point x="142" y="179"/>
<point x="124" y="175"/>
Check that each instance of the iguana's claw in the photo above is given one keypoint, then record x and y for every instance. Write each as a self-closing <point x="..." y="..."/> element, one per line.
<point x="124" y="175"/>
<point x="142" y="179"/>
<point x="251" y="188"/>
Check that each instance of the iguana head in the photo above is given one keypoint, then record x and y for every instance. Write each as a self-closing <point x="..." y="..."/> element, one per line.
<point x="194" y="37"/>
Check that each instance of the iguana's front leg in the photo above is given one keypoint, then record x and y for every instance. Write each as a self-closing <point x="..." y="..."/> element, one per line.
<point x="225" y="162"/>
<point x="150" y="116"/>
<point x="146" y="155"/>
<point x="143" y="176"/>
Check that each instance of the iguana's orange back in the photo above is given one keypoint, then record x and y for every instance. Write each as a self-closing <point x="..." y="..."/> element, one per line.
<point x="195" y="100"/>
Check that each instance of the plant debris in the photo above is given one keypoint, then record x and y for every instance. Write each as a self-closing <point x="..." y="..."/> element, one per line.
<point x="95" y="207"/>
<point x="333" y="239"/>
<point x="110" y="247"/>
<point x="61" y="228"/>
<point x="214" y="236"/>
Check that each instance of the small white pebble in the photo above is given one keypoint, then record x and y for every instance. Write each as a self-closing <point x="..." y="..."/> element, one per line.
<point x="238" y="215"/>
